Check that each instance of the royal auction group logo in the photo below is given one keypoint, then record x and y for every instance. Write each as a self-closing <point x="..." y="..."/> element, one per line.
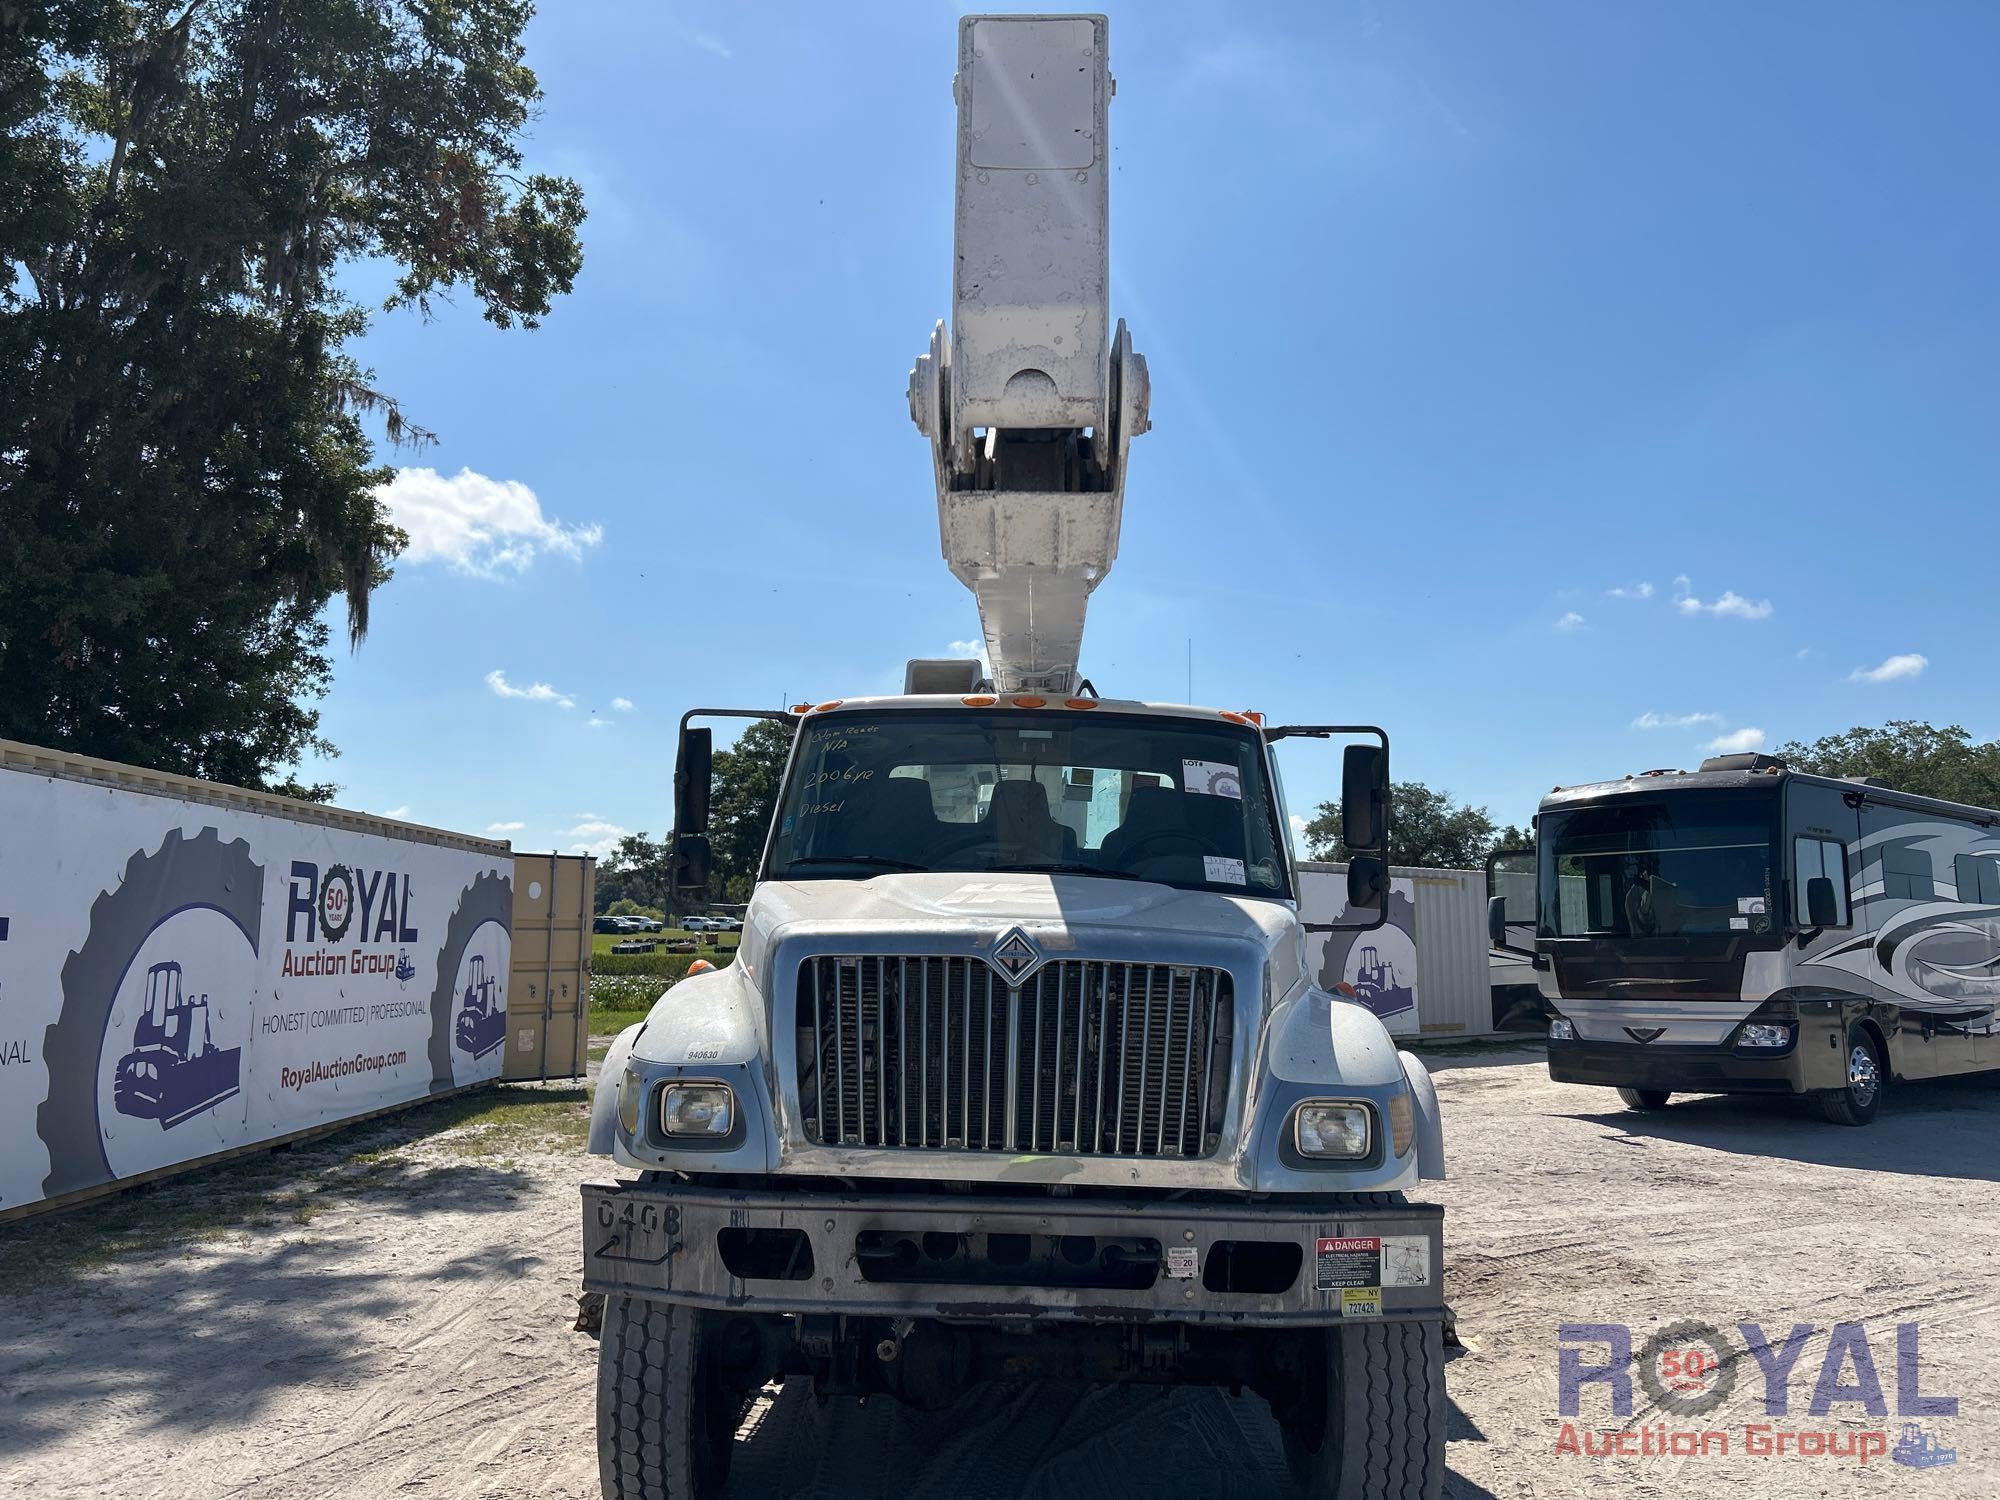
<point x="336" y="902"/>
<point x="1689" y="1370"/>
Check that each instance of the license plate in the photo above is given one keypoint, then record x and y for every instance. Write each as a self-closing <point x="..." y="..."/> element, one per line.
<point x="642" y="1231"/>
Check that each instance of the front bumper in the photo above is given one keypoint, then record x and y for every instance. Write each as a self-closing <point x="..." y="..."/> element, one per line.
<point x="1359" y="1258"/>
<point x="1678" y="1070"/>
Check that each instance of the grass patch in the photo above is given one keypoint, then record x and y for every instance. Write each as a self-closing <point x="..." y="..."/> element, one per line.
<point x="292" y="1185"/>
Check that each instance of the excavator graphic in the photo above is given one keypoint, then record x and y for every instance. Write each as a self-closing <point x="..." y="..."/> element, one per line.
<point x="482" y="1020"/>
<point x="174" y="1070"/>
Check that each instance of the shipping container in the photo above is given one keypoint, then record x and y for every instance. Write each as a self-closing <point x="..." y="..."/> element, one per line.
<point x="1426" y="970"/>
<point x="190" y="970"/>
<point x="548" y="1010"/>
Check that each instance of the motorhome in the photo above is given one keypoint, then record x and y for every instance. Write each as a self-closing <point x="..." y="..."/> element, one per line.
<point x="1749" y="928"/>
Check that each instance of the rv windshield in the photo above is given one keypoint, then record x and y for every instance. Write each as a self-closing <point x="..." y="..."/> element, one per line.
<point x="1686" y="863"/>
<point x="1124" y="796"/>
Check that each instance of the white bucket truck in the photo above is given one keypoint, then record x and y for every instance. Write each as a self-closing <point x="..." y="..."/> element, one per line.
<point x="1019" y="1068"/>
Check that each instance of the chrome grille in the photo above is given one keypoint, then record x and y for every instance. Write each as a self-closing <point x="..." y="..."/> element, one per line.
<point x="1082" y="1057"/>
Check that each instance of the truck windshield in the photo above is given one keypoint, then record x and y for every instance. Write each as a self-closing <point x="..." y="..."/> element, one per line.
<point x="1125" y="796"/>
<point x="1687" y="863"/>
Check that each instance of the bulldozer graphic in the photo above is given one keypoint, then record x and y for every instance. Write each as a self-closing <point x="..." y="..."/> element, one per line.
<point x="174" y="1070"/>
<point x="482" y="1019"/>
<point x="1377" y="986"/>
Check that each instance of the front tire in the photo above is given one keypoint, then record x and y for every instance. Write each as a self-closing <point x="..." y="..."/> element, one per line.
<point x="665" y="1423"/>
<point x="1867" y="1078"/>
<point x="1371" y="1425"/>
<point x="1645" y="1100"/>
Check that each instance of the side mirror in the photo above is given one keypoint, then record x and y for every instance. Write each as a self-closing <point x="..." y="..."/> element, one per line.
<point x="1367" y="880"/>
<point x="1364" y="798"/>
<point x="691" y="866"/>
<point x="692" y="772"/>
<point x="1496" y="921"/>
<point x="1822" y="907"/>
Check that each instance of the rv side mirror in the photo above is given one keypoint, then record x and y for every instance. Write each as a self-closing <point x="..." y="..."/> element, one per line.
<point x="691" y="866"/>
<point x="1822" y="910"/>
<point x="691" y="777"/>
<point x="1496" y="921"/>
<point x="1364" y="799"/>
<point x="1366" y="879"/>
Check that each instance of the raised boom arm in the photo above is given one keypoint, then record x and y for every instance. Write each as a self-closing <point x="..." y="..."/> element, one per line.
<point x="1030" y="400"/>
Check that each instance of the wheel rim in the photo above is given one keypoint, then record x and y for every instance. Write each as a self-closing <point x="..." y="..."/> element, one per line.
<point x="1863" y="1077"/>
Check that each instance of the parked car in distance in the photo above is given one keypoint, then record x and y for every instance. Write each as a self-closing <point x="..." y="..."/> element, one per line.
<point x="608" y="924"/>
<point x="698" y="924"/>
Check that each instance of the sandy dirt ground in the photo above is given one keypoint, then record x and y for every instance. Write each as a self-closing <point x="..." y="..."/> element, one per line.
<point x="392" y="1318"/>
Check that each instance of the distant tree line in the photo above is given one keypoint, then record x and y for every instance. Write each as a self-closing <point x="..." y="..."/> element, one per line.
<point x="743" y="797"/>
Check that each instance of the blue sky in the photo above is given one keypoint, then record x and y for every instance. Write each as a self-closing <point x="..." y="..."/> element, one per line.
<point x="1519" y="373"/>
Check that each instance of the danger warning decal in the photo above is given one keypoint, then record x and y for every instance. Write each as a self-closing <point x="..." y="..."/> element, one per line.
<point x="1339" y="1264"/>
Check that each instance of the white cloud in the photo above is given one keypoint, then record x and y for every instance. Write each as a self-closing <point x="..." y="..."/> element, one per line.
<point x="708" y="42"/>
<point x="1570" y="621"/>
<point x="1630" y="591"/>
<point x="1652" y="720"/>
<point x="1910" y="664"/>
<point x="594" y="835"/>
<point x="1298" y="834"/>
<point x="485" y="527"/>
<point x="505" y="827"/>
<point x="400" y="813"/>
<point x="596" y="723"/>
<point x="1737" y="741"/>
<point x="534" y="692"/>
<point x="1731" y="604"/>
<point x="962" y="649"/>
<point x="622" y="705"/>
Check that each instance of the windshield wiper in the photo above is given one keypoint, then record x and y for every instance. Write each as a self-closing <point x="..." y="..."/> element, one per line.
<point x="1070" y="867"/>
<point x="878" y="861"/>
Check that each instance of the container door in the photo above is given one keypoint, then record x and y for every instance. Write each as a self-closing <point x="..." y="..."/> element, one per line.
<point x="548" y="998"/>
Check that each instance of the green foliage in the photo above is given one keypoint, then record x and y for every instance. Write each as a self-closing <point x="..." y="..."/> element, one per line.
<point x="1427" y="829"/>
<point x="741" y="803"/>
<point x="185" y="481"/>
<point x="656" y="964"/>
<point x="637" y="874"/>
<point x="1909" y="756"/>
<point x="626" y="907"/>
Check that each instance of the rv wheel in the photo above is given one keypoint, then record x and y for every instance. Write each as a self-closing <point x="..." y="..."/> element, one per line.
<point x="1645" y="1100"/>
<point x="1867" y="1077"/>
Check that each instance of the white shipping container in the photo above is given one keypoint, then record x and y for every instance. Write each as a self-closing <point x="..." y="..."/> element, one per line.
<point x="1426" y="971"/>
<point x="188" y="969"/>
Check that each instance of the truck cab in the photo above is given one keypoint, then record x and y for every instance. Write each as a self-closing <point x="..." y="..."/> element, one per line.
<point x="1021" y="1036"/>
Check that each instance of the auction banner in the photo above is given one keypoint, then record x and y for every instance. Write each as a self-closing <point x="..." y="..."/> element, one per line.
<point x="179" y="980"/>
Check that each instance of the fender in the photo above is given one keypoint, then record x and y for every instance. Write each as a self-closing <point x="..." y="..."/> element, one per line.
<point x="1430" y="1119"/>
<point x="604" y="1103"/>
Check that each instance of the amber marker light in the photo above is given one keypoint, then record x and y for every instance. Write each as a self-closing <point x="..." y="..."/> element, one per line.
<point x="1079" y="703"/>
<point x="979" y="702"/>
<point x="1030" y="702"/>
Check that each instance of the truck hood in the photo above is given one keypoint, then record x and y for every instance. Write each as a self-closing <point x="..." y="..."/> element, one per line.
<point x="1062" y="913"/>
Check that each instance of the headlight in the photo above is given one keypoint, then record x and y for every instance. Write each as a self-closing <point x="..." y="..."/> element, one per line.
<point x="1402" y="1124"/>
<point x="697" y="1109"/>
<point x="1762" y="1035"/>
<point x="1330" y="1131"/>
<point x="631" y="1092"/>
<point x="1561" y="1031"/>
